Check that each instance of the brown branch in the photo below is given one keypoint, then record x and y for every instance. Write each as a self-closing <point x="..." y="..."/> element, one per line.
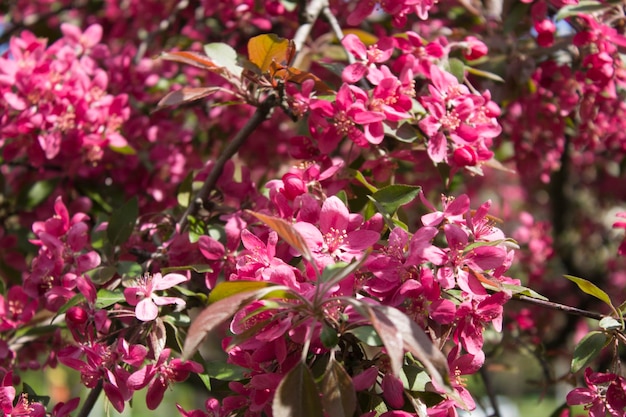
<point x="262" y="112"/>
<point x="91" y="400"/>
<point x="560" y="307"/>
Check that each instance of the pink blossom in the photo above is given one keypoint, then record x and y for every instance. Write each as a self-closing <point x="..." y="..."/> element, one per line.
<point x="146" y="301"/>
<point x="159" y="375"/>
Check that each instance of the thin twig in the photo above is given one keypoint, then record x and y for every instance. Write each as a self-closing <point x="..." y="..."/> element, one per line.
<point x="308" y="17"/>
<point x="164" y="25"/>
<point x="493" y="399"/>
<point x="262" y="112"/>
<point x="90" y="401"/>
<point x="561" y="307"/>
<point x="336" y="27"/>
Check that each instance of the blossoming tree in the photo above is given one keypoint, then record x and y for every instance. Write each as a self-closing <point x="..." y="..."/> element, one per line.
<point x="313" y="208"/>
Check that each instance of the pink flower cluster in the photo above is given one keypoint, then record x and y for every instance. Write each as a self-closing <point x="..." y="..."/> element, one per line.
<point x="410" y="272"/>
<point x="55" y="102"/>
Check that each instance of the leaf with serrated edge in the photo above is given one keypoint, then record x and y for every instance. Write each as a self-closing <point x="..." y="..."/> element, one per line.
<point x="338" y="393"/>
<point x="297" y="394"/>
<point x="287" y="232"/>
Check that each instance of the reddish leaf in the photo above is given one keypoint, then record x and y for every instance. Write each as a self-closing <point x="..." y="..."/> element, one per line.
<point x="287" y="232"/>
<point x="216" y="314"/>
<point x="338" y="393"/>
<point x="157" y="337"/>
<point x="391" y="337"/>
<point x="185" y="95"/>
<point x="297" y="394"/>
<point x="192" y="58"/>
<point x="415" y="340"/>
<point x="297" y="76"/>
<point x="268" y="48"/>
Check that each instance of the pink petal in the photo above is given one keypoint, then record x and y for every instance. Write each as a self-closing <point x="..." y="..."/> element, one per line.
<point x="168" y="280"/>
<point x="146" y="310"/>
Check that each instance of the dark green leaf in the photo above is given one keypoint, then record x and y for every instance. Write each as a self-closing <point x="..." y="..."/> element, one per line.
<point x="329" y="336"/>
<point x="297" y="395"/>
<point x="338" y="393"/>
<point x="129" y="269"/>
<point x="587" y="349"/>
<point x="393" y="196"/>
<point x="101" y="274"/>
<point x="122" y="222"/>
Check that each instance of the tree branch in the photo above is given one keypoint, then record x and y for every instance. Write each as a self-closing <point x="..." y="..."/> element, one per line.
<point x="262" y="112"/>
<point x="560" y="307"/>
<point x="85" y="410"/>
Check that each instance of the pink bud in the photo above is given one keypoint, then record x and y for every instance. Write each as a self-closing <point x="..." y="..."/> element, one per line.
<point x="465" y="156"/>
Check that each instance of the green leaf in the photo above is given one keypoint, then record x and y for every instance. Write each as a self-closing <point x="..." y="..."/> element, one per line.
<point x="587" y="349"/>
<point x="393" y="196"/>
<point x="228" y="289"/>
<point x="337" y="389"/>
<point x="129" y="269"/>
<point x="122" y="222"/>
<point x="457" y="68"/>
<point x="329" y="336"/>
<point x="297" y="395"/>
<point x="367" y="335"/>
<point x="223" y="55"/>
<point x="583" y="6"/>
<point x="123" y="150"/>
<point x="199" y="268"/>
<point x="485" y="74"/>
<point x="106" y="298"/>
<point x="591" y="289"/>
<point x="360" y="178"/>
<point x="185" y="192"/>
<point x="30" y="198"/>
<point x="519" y="289"/>
<point x="101" y="274"/>
<point x="404" y="133"/>
<point x="517" y="14"/>
<point x="225" y="371"/>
